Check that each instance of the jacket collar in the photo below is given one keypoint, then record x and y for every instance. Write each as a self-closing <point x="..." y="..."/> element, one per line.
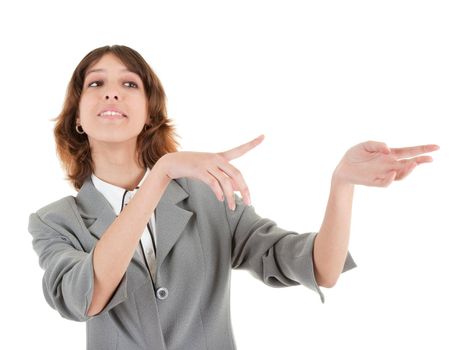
<point x="115" y="195"/>
<point x="170" y="218"/>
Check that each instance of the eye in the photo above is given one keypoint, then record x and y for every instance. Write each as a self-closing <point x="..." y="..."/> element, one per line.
<point x="98" y="82"/>
<point x="131" y="84"/>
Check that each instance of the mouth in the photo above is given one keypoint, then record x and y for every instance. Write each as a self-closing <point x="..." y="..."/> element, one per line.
<point x="112" y="115"/>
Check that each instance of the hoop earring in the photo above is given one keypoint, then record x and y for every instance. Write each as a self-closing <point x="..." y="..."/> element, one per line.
<point x="78" y="131"/>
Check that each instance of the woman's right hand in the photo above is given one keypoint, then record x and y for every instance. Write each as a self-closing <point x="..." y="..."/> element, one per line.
<point x="212" y="168"/>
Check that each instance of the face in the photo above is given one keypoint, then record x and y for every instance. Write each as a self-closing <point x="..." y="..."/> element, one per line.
<point x="113" y="105"/>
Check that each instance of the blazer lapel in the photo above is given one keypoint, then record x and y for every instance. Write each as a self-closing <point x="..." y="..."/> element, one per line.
<point x="94" y="209"/>
<point x="170" y="218"/>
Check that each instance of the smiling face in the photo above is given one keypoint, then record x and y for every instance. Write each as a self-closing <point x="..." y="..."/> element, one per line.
<point x="113" y="104"/>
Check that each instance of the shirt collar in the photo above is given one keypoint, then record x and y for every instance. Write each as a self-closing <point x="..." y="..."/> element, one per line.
<point x="114" y="194"/>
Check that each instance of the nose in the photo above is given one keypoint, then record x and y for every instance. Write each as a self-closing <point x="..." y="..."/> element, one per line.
<point x="111" y="91"/>
<point x="108" y="96"/>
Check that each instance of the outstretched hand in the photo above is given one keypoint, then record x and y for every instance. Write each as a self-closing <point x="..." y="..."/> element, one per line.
<point x="214" y="169"/>
<point x="375" y="164"/>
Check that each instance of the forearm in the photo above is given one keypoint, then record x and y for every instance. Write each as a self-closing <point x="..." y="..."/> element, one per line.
<point x="332" y="241"/>
<point x="114" y="251"/>
<point x="371" y="164"/>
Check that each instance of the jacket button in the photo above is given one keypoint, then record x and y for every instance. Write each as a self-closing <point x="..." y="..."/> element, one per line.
<point x="162" y="293"/>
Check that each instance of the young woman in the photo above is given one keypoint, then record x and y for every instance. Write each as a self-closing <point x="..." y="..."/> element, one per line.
<point x="144" y="252"/>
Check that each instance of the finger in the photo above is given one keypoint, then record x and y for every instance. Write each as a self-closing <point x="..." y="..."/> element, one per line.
<point x="237" y="179"/>
<point x="386" y="180"/>
<point x="410" y="164"/>
<point x="213" y="182"/>
<point x="406" y="152"/>
<point x="242" y="149"/>
<point x="374" y="146"/>
<point x="422" y="159"/>
<point x="405" y="166"/>
<point x="406" y="170"/>
<point x="226" y="186"/>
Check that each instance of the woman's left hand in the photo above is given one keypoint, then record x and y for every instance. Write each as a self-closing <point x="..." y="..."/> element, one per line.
<point x="375" y="164"/>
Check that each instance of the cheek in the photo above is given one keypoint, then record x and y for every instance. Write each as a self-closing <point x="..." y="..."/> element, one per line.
<point x="85" y="104"/>
<point x="85" y="115"/>
<point x="140" y="104"/>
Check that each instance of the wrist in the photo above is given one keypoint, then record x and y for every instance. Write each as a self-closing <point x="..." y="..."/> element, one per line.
<point x="162" y="168"/>
<point x="339" y="179"/>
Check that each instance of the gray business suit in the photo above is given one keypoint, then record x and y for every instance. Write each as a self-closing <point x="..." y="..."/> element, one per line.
<point x="199" y="240"/>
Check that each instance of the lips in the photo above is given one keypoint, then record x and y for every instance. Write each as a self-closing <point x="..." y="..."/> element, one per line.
<point x="112" y="113"/>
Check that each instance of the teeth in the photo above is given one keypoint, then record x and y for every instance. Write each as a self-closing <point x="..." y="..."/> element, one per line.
<point x="111" y="113"/>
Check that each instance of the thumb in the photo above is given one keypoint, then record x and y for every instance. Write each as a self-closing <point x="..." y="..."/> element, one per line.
<point x="374" y="146"/>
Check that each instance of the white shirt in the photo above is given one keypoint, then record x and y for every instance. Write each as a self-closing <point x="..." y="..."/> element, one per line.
<point x="114" y="196"/>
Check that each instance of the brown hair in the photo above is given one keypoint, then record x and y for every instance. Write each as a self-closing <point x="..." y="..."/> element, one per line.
<point x="73" y="149"/>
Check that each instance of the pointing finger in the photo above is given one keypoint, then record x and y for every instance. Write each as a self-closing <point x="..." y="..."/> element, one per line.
<point x="242" y="149"/>
<point x="406" y="152"/>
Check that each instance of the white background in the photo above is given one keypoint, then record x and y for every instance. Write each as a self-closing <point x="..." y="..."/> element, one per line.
<point x="316" y="78"/>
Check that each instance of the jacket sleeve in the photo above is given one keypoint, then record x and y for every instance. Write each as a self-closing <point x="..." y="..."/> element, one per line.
<point x="68" y="278"/>
<point x="277" y="257"/>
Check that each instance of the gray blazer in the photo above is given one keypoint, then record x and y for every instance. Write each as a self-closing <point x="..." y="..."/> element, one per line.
<point x="199" y="240"/>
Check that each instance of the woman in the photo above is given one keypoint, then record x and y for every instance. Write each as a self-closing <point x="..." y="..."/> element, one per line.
<point x="144" y="252"/>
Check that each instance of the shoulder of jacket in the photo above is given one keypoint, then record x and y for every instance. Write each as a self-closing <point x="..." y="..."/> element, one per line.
<point x="59" y="208"/>
<point x="196" y="187"/>
<point x="182" y="181"/>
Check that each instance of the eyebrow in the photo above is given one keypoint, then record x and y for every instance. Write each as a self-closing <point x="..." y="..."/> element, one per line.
<point x="103" y="70"/>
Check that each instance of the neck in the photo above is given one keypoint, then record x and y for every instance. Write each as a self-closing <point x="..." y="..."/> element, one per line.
<point x="116" y="164"/>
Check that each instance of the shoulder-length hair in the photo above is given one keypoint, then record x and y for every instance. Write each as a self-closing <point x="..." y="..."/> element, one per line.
<point x="154" y="141"/>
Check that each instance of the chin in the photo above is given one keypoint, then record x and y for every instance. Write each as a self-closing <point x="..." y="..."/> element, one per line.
<point x="114" y="136"/>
